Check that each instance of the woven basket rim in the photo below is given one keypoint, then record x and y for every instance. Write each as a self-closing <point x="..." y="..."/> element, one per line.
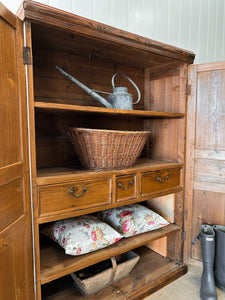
<point x="111" y="131"/>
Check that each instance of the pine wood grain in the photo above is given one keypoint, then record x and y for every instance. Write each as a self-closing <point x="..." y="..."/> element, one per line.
<point x="65" y="174"/>
<point x="107" y="111"/>
<point x="54" y="199"/>
<point x="8" y="15"/>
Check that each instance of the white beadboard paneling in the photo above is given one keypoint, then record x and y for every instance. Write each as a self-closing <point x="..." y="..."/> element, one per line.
<point x="119" y="16"/>
<point x="102" y="11"/>
<point x="174" y="22"/>
<point x="12" y="5"/>
<point x="135" y="16"/>
<point x="223" y="52"/>
<point x="44" y="2"/>
<point x="162" y="20"/>
<point x="194" y="39"/>
<point x="185" y="15"/>
<point x="211" y="37"/>
<point x="83" y="8"/>
<point x="220" y="29"/>
<point x="149" y="18"/>
<point x="64" y="5"/>
<point x="203" y="32"/>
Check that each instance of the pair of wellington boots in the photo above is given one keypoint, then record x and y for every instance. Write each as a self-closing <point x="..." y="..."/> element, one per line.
<point x="212" y="240"/>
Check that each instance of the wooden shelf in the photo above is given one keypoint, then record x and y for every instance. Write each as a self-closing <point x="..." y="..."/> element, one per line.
<point x="55" y="263"/>
<point x="106" y="111"/>
<point x="151" y="273"/>
<point x="64" y="174"/>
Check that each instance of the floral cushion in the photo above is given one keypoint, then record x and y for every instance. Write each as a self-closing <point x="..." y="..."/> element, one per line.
<point x="133" y="219"/>
<point x="82" y="234"/>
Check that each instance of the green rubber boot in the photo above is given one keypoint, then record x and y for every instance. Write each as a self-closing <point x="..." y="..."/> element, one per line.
<point x="207" y="239"/>
<point x="219" y="263"/>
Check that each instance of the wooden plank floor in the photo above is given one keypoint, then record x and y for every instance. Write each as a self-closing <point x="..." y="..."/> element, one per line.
<point x="186" y="287"/>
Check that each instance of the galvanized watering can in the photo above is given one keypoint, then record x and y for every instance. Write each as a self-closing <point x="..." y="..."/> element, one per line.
<point x="119" y="99"/>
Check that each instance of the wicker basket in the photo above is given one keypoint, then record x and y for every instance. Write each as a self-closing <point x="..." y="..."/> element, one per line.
<point x="107" y="149"/>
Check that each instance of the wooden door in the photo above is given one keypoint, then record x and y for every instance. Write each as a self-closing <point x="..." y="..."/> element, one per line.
<point x="16" y="259"/>
<point x="205" y="180"/>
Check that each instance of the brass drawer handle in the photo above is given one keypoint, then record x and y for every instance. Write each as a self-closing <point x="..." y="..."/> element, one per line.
<point x="126" y="188"/>
<point x="73" y="190"/>
<point x="161" y="180"/>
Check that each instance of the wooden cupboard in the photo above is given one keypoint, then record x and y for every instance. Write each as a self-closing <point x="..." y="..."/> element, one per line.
<point x="93" y="52"/>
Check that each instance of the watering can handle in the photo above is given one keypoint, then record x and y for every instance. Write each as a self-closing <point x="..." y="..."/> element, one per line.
<point x="128" y="78"/>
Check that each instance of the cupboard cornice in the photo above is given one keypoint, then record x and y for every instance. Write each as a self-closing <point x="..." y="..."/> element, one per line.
<point x="41" y="14"/>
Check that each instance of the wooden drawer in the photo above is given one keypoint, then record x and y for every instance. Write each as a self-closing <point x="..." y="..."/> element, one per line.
<point x="74" y="195"/>
<point x="126" y="187"/>
<point x="157" y="181"/>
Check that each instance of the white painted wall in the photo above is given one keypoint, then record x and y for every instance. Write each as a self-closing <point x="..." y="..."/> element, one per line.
<point x="196" y="25"/>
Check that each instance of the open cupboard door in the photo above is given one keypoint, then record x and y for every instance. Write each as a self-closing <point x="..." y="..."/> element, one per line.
<point x="16" y="256"/>
<point x="205" y="179"/>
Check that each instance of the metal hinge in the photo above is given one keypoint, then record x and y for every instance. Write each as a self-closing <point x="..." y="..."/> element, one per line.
<point x="183" y="235"/>
<point x="189" y="90"/>
<point x="26" y="56"/>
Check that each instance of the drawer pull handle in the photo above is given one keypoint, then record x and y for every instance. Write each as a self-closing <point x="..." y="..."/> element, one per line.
<point x="161" y="180"/>
<point x="128" y="187"/>
<point x="73" y="190"/>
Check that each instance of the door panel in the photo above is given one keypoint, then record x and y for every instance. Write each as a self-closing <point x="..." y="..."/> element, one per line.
<point x="210" y="118"/>
<point x="11" y="202"/>
<point x="12" y="261"/>
<point x="205" y="175"/>
<point x="10" y="151"/>
<point x="204" y="211"/>
<point x="16" y="261"/>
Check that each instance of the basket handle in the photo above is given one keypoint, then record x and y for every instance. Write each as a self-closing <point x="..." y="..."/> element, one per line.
<point x="114" y="267"/>
<point x="128" y="78"/>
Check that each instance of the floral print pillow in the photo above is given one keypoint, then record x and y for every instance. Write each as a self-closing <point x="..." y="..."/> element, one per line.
<point x="132" y="219"/>
<point x="82" y="234"/>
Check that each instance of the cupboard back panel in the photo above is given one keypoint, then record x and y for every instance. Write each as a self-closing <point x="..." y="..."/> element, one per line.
<point x="165" y="91"/>
<point x="105" y="48"/>
<point x="164" y="138"/>
<point x="52" y="86"/>
<point x="53" y="146"/>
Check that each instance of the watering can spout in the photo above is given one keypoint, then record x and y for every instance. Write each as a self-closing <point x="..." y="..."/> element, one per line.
<point x="119" y="99"/>
<point x="86" y="89"/>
